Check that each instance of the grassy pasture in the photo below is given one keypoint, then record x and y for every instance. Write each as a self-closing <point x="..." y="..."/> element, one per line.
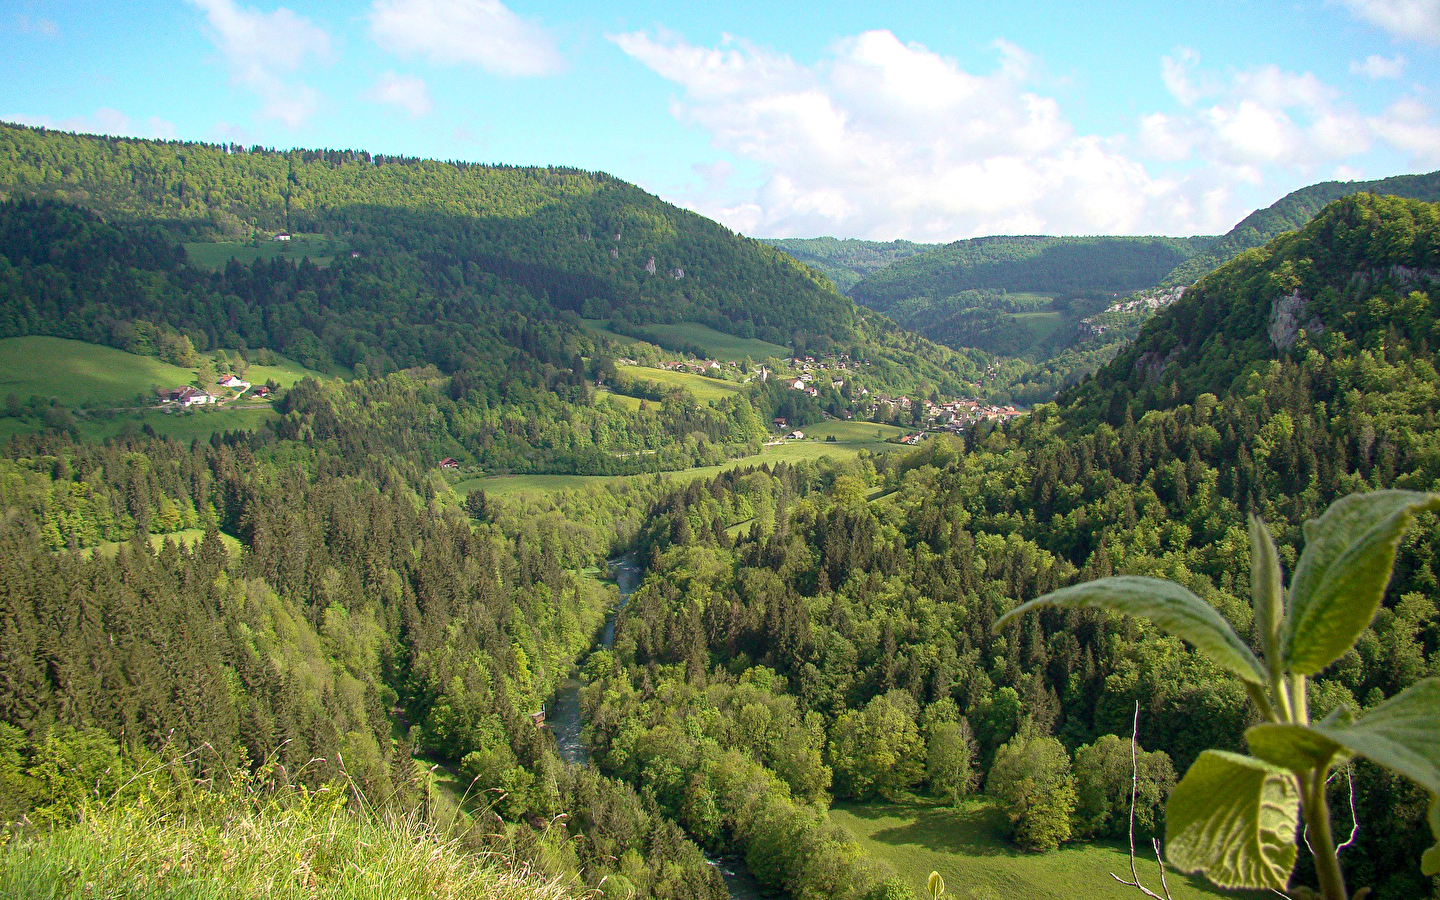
<point x="182" y="425"/>
<point x="215" y="254"/>
<point x="624" y="401"/>
<point x="189" y="537"/>
<point x="717" y="343"/>
<point x="851" y="438"/>
<point x="76" y="373"/>
<point x="965" y="845"/>
<point x="1041" y="324"/>
<point x="704" y="389"/>
<point x="285" y="371"/>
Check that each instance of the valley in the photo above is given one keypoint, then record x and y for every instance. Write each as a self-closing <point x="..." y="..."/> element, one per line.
<point x="339" y="606"/>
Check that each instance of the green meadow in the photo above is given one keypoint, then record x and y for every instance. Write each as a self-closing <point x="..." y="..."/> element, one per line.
<point x="215" y="254"/>
<point x="77" y="374"/>
<point x="1041" y="324"/>
<point x="850" y="439"/>
<point x="717" y="343"/>
<point x="965" y="845"/>
<point x="704" y="389"/>
<point x="189" y="537"/>
<point x="622" y="400"/>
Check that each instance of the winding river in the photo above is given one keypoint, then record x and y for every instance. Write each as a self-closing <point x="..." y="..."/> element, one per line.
<point x="566" y="721"/>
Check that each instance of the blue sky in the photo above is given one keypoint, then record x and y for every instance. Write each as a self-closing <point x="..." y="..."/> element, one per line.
<point x="927" y="121"/>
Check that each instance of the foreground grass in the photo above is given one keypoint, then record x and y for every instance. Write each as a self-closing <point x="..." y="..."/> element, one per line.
<point x="305" y="847"/>
<point x="966" y="846"/>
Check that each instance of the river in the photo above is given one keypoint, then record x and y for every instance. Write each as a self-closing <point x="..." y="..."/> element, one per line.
<point x="565" y="719"/>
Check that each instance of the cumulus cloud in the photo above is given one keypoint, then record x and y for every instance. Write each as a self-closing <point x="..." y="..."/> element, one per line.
<point x="1416" y="20"/>
<point x="1412" y="127"/>
<point x="1378" y="67"/>
<point x="483" y="33"/>
<point x="886" y="139"/>
<point x="408" y="92"/>
<point x="265" y="51"/>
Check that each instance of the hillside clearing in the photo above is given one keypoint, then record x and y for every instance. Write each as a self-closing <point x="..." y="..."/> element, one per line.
<point x="78" y="374"/>
<point x="965" y="846"/>
<point x="703" y="388"/>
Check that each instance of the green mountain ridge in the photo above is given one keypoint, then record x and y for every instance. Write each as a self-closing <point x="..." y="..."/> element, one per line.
<point x="1293" y="211"/>
<point x="1299" y="291"/>
<point x="847" y="261"/>
<point x="805" y="632"/>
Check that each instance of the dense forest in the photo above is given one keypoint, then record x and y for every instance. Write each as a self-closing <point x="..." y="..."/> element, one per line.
<point x="1070" y="267"/>
<point x="849" y="642"/>
<point x="847" y="262"/>
<point x="803" y="633"/>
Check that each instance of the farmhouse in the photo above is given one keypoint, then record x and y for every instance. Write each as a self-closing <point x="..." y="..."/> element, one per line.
<point x="186" y="396"/>
<point x="283" y="236"/>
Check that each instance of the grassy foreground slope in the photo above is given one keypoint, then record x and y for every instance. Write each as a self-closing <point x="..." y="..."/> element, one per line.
<point x="309" y="847"/>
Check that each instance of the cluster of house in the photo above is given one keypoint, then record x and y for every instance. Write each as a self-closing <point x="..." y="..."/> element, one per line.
<point x="695" y="366"/>
<point x="781" y="424"/>
<point x="194" y="396"/>
<point x="956" y="414"/>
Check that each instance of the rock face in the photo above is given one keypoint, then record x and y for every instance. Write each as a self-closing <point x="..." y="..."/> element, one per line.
<point x="1288" y="315"/>
<point x="1151" y="364"/>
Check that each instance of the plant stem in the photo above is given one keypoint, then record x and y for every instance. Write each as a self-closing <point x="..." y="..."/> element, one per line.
<point x="1322" y="843"/>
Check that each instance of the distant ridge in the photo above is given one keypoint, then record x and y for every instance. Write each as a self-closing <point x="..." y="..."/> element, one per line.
<point x="1293" y="211"/>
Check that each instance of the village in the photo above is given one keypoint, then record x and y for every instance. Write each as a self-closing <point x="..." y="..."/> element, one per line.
<point x="809" y="374"/>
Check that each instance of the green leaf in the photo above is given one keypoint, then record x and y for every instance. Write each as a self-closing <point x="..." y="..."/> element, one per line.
<point x="1430" y="859"/>
<point x="1170" y="606"/>
<point x="936" y="885"/>
<point x="1267" y="589"/>
<point x="1292" y="747"/>
<point x="1402" y="734"/>
<point x="1341" y="577"/>
<point x="1233" y="818"/>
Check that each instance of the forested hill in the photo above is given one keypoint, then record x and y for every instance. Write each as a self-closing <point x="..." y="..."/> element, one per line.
<point x="846" y="262"/>
<point x="575" y="240"/>
<point x="1291" y="212"/>
<point x="1356" y="280"/>
<point x="1061" y="266"/>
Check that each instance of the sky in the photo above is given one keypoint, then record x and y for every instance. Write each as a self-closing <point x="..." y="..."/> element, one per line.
<point x="877" y="120"/>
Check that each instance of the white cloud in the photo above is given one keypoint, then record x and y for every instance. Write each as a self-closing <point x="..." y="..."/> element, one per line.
<point x="265" y="50"/>
<point x="886" y="139"/>
<point x="40" y="25"/>
<point x="1378" y="67"/>
<point x="1417" y="20"/>
<point x="1412" y="127"/>
<point x="408" y="92"/>
<point x="482" y="33"/>
<point x="1264" y="117"/>
<point x="1177" y="73"/>
<point x="104" y="120"/>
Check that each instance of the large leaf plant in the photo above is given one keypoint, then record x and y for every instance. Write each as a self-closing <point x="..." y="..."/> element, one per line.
<point x="1234" y="817"/>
